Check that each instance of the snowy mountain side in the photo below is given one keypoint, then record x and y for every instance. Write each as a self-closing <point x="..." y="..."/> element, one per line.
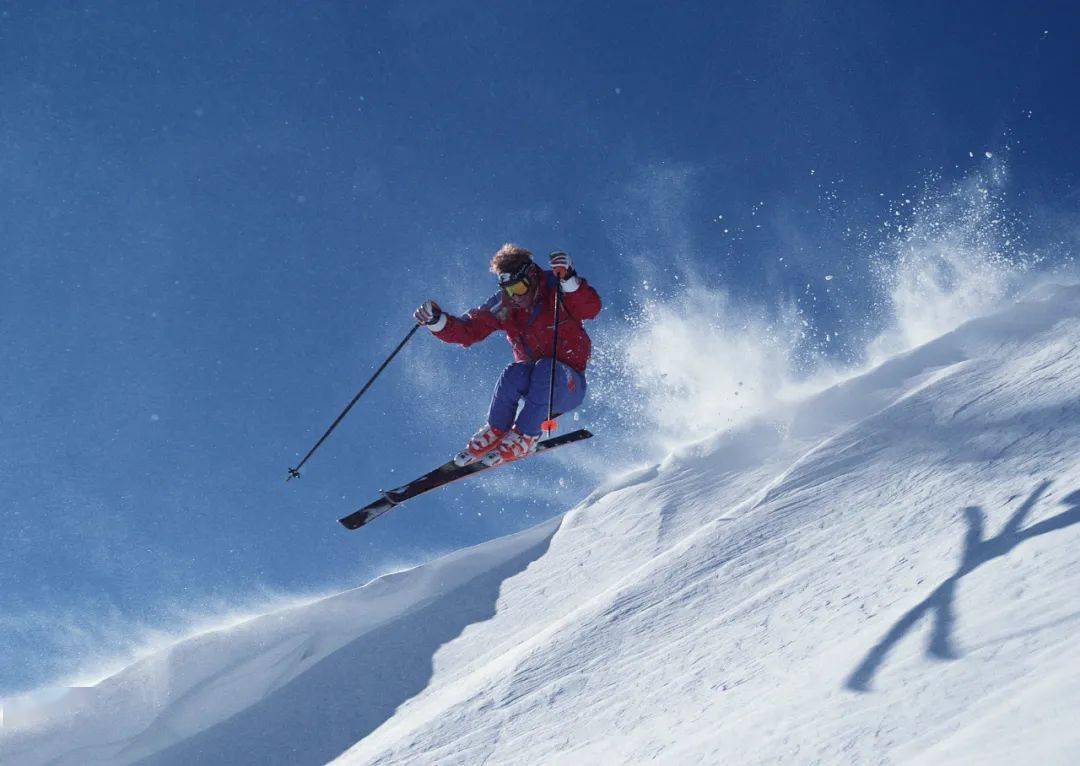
<point x="884" y="572"/>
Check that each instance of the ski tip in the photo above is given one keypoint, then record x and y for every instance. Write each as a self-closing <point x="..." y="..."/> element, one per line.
<point x="359" y="518"/>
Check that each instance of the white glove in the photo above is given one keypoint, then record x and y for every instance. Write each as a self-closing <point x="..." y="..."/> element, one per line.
<point x="563" y="268"/>
<point x="561" y="265"/>
<point x="429" y="314"/>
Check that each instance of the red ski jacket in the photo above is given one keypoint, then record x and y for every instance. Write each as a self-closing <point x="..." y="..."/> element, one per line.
<point x="530" y="330"/>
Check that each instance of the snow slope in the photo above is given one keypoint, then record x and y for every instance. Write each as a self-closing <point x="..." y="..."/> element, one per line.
<point x="886" y="572"/>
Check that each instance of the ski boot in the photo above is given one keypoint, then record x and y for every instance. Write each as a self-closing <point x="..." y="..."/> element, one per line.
<point x="513" y="446"/>
<point x="480" y="445"/>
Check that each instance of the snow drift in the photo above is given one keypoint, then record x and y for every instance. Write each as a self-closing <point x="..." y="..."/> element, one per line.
<point x="886" y="571"/>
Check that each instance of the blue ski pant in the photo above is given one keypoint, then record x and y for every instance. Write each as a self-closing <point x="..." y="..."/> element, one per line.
<point x="531" y="381"/>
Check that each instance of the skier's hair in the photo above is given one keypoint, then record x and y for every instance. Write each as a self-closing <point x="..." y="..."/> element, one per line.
<point x="509" y="259"/>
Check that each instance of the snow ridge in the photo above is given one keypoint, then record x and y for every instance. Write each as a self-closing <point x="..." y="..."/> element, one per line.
<point x="883" y="572"/>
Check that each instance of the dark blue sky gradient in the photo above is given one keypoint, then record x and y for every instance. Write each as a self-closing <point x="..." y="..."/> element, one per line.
<point x="216" y="221"/>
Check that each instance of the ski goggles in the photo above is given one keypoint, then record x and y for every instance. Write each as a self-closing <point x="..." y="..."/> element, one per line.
<point x="516" y="283"/>
<point x="517" y="289"/>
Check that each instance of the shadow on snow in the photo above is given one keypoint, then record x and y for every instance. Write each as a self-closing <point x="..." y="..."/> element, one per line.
<point x="939" y="604"/>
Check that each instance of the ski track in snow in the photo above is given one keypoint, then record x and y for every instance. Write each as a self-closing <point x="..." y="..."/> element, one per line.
<point x="883" y="573"/>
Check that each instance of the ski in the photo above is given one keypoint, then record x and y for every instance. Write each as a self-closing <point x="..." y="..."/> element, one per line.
<point x="441" y="476"/>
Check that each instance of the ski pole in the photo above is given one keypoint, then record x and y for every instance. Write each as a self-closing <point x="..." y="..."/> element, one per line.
<point x="294" y="473"/>
<point x="549" y="425"/>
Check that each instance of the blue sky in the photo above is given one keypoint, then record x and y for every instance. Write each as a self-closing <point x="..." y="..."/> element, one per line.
<point x="216" y="223"/>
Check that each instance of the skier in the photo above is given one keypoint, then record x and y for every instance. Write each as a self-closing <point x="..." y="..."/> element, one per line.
<point x="524" y="308"/>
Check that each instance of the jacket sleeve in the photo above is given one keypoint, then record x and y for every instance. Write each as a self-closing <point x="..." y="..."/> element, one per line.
<point x="580" y="299"/>
<point x="471" y="328"/>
